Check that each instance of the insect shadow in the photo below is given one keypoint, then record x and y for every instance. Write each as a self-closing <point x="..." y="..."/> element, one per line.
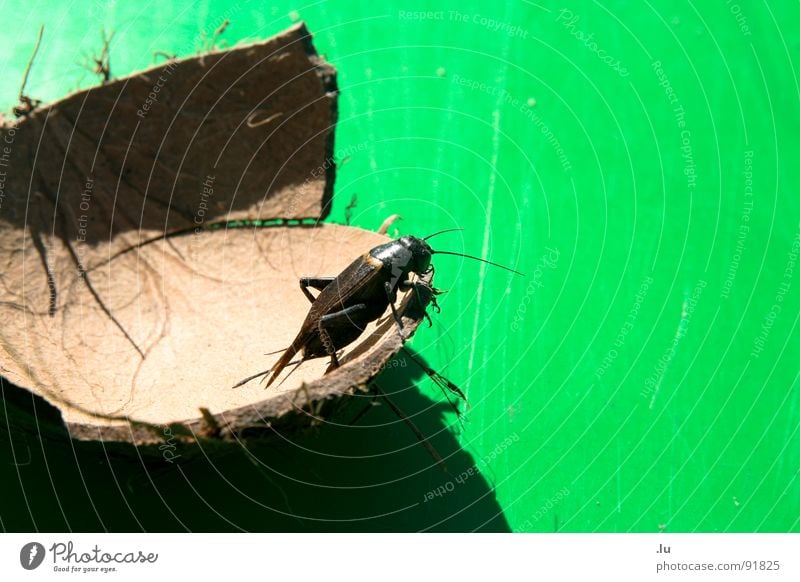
<point x="373" y="475"/>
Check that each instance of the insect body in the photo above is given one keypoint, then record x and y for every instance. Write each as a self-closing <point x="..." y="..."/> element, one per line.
<point x="359" y="295"/>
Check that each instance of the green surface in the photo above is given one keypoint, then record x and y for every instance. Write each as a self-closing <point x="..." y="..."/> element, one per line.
<point x="644" y="178"/>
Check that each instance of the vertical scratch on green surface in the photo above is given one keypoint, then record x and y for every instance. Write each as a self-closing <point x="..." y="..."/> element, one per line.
<point x="669" y="495"/>
<point x="370" y="108"/>
<point x="673" y="350"/>
<point x="486" y="230"/>
<point x="619" y="482"/>
<point x="501" y="81"/>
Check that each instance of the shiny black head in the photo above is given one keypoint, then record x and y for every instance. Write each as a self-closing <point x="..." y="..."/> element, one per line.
<point x="421" y="251"/>
<point x="410" y="254"/>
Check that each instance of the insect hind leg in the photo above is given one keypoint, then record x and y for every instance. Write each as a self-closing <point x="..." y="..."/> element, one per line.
<point x="336" y="318"/>
<point x="318" y="283"/>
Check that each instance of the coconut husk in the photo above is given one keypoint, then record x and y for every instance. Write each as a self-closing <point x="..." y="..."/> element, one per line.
<point x="122" y="304"/>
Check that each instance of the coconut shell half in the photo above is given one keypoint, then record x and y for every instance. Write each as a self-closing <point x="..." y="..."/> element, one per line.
<point x="123" y="302"/>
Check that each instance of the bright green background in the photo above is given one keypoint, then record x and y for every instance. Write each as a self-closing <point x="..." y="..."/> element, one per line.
<point x="714" y="448"/>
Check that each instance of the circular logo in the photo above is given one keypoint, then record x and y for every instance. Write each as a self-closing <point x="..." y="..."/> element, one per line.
<point x="31" y="555"/>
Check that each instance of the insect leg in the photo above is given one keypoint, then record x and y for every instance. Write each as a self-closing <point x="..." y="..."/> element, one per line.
<point x="418" y="433"/>
<point x="392" y="295"/>
<point x="332" y="319"/>
<point x="430" y="294"/>
<point x="367" y="408"/>
<point x="318" y="283"/>
<point x="442" y="382"/>
<point x="407" y="285"/>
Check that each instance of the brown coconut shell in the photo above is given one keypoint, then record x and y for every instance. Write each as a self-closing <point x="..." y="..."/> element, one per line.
<point x="121" y="303"/>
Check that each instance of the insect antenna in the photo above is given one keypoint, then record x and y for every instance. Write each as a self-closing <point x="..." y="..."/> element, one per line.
<point x="442" y="232"/>
<point x="478" y="259"/>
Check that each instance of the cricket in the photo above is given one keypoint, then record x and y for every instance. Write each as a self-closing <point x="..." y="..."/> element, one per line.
<point x="359" y="295"/>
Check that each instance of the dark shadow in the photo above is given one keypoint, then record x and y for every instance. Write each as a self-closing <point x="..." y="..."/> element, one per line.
<point x="372" y="476"/>
<point x="187" y="143"/>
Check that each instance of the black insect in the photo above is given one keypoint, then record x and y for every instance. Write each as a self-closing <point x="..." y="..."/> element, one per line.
<point x="360" y="294"/>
